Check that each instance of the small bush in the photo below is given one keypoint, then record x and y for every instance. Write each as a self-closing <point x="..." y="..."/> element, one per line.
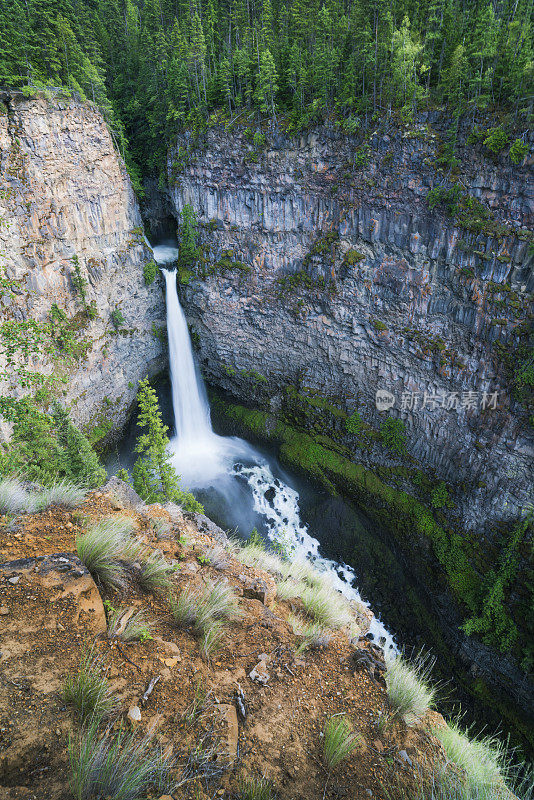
<point x="154" y="574"/>
<point x="255" y="789"/>
<point x="339" y="741"/>
<point x="118" y="767"/>
<point x="133" y="628"/>
<point x="518" y="151"/>
<point x="88" y="691"/>
<point x="107" y="549"/>
<point x="409" y="691"/>
<point x="496" y="140"/>
<point x="150" y="270"/>
<point x="354" y="423"/>
<point x="117" y="318"/>
<point x="393" y="434"/>
<point x="483" y="759"/>
<point x="289" y="588"/>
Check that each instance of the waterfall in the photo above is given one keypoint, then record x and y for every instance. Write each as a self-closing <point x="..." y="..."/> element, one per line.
<point x="226" y="464"/>
<point x="191" y="408"/>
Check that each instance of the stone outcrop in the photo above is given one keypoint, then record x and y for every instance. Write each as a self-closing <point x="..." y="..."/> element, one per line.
<point x="326" y="270"/>
<point x="65" y="193"/>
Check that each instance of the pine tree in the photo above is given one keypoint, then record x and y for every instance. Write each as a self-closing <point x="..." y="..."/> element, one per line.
<point x="187" y="247"/>
<point x="81" y="462"/>
<point x="154" y="477"/>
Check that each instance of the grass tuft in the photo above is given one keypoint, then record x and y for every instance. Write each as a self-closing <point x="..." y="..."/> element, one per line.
<point x="154" y="574"/>
<point x="408" y="687"/>
<point x="484" y="759"/>
<point x="255" y="789"/>
<point x="88" y="690"/>
<point x="216" y="556"/>
<point x="327" y="606"/>
<point x="119" y="767"/>
<point x="313" y="634"/>
<point x="212" y="635"/>
<point x="108" y="550"/>
<point x="339" y="741"/>
<point x="206" y="609"/>
<point x="62" y="493"/>
<point x="16" y="499"/>
<point x="133" y="628"/>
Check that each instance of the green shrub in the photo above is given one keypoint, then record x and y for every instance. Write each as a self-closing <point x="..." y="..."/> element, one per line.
<point x="154" y="477"/>
<point x="119" y="767"/>
<point x="362" y="156"/>
<point x="259" y="139"/>
<point x="408" y="688"/>
<point x="150" y="270"/>
<point x="496" y="139"/>
<point x="117" y="318"/>
<point x="88" y="691"/>
<point x="393" y="434"/>
<point x="354" y="423"/>
<point x="339" y="741"/>
<point x="439" y="496"/>
<point x="518" y="151"/>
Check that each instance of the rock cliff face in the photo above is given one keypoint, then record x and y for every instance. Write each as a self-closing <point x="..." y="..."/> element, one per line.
<point x="326" y="270"/>
<point x="65" y="193"/>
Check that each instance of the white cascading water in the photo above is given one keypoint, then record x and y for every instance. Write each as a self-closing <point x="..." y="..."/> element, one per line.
<point x="203" y="459"/>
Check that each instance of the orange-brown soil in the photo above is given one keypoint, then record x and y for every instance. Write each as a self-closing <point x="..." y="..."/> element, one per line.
<point x="48" y="621"/>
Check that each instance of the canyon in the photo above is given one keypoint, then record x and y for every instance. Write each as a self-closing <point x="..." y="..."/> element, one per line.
<point x="324" y="277"/>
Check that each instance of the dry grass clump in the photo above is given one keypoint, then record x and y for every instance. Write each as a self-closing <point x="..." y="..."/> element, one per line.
<point x="108" y="550"/>
<point x="327" y="606"/>
<point x="119" y="766"/>
<point x="409" y="690"/>
<point x="339" y="741"/>
<point x="88" y="691"/>
<point x="255" y="555"/>
<point x="62" y="493"/>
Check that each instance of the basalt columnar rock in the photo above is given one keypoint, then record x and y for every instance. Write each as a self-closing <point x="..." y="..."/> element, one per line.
<point x="65" y="195"/>
<point x="326" y="270"/>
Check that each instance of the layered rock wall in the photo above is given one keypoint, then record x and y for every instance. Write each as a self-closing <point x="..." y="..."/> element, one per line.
<point x="65" y="193"/>
<point x="355" y="285"/>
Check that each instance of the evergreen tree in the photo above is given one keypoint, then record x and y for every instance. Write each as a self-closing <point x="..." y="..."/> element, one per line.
<point x="154" y="477"/>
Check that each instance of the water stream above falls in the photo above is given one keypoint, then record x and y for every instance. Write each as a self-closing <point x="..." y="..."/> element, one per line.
<point x="241" y="486"/>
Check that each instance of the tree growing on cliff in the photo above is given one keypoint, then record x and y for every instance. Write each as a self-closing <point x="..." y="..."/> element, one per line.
<point x="187" y="247"/>
<point x="154" y="477"/>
